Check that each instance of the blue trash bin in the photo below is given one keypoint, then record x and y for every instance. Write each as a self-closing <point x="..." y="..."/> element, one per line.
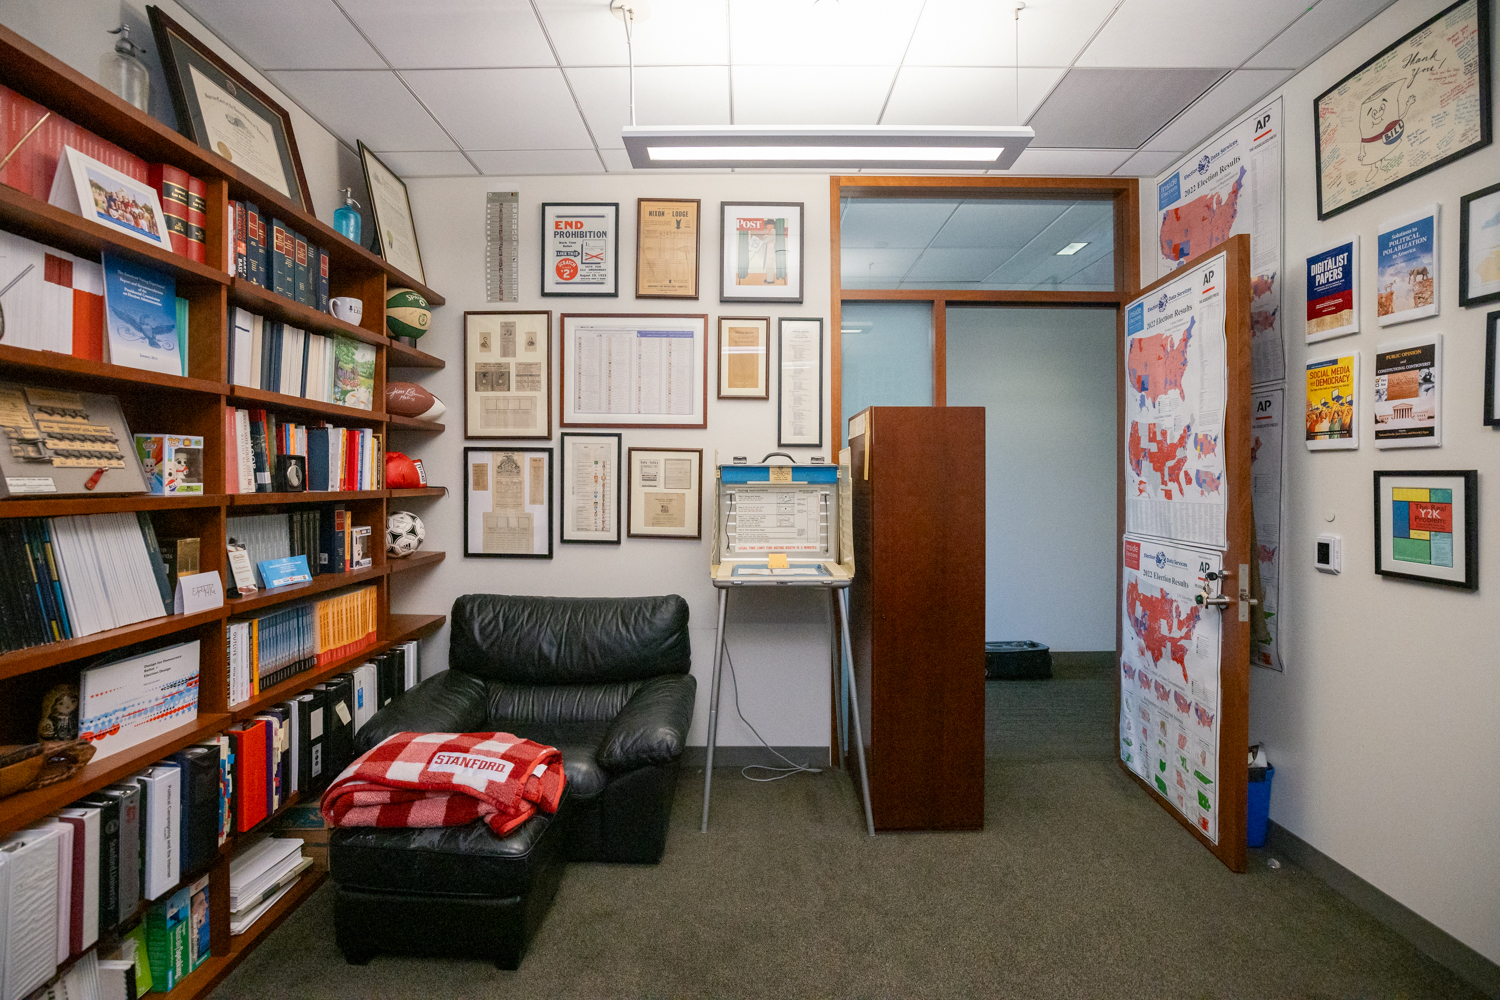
<point x="1258" y="813"/>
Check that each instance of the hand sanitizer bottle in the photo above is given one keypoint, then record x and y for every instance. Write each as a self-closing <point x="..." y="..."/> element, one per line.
<point x="346" y="216"/>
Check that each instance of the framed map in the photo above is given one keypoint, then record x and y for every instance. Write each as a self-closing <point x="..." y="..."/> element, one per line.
<point x="1422" y="102"/>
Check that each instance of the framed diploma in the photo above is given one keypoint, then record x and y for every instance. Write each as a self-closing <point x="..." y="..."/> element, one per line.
<point x="666" y="493"/>
<point x="744" y="357"/>
<point x="799" y="383"/>
<point x="390" y="208"/>
<point x="508" y="503"/>
<point x="760" y="253"/>
<point x="581" y="249"/>
<point x="222" y="111"/>
<point x="508" y="374"/>
<point x="666" y="248"/>
<point x="591" y="488"/>
<point x="623" y="370"/>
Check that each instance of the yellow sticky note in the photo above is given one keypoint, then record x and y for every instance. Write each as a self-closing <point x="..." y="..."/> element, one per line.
<point x="777" y="560"/>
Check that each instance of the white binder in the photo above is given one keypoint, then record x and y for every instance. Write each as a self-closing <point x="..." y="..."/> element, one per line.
<point x="161" y="816"/>
<point x="84" y="921"/>
<point x="30" y="942"/>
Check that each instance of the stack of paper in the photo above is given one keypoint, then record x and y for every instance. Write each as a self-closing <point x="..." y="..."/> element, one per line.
<point x="260" y="876"/>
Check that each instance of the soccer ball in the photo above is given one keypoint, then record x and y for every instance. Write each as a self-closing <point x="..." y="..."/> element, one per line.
<point x="404" y="533"/>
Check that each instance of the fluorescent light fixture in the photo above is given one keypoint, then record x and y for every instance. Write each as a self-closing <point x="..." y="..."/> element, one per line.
<point x="829" y="147"/>
<point x="1071" y="249"/>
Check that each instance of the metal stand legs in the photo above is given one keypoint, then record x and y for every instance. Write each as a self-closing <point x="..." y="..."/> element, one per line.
<point x="713" y="705"/>
<point x="853" y="704"/>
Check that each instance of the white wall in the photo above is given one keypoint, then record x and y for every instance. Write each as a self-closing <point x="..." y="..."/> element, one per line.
<point x="1046" y="378"/>
<point x="1385" y="727"/>
<point x="780" y="641"/>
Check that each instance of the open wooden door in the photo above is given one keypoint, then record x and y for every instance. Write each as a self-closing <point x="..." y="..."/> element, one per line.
<point x="1186" y="545"/>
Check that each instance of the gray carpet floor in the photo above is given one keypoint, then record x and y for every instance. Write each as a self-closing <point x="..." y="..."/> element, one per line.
<point x="1078" y="887"/>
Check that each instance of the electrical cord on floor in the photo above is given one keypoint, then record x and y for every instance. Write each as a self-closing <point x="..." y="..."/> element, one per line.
<point x="787" y="772"/>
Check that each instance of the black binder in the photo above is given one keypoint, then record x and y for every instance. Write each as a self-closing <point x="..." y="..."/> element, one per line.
<point x="200" y="808"/>
<point x="109" y="859"/>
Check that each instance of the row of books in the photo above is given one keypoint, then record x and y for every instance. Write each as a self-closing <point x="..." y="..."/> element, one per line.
<point x="184" y="201"/>
<point x="333" y="459"/>
<point x="278" y="357"/>
<point x="273" y="255"/>
<point x="273" y="646"/>
<point x="327" y="535"/>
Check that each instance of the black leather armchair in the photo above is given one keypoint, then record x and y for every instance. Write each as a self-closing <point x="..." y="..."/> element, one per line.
<point x="605" y="680"/>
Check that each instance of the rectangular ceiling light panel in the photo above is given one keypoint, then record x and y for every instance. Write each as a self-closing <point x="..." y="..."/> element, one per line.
<point x="825" y="147"/>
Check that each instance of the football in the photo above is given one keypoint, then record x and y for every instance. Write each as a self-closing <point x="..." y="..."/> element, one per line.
<point x="404" y="533"/>
<point x="407" y="313"/>
<point x="407" y="399"/>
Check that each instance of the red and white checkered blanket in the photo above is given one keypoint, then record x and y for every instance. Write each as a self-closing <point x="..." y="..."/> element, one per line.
<point x="447" y="779"/>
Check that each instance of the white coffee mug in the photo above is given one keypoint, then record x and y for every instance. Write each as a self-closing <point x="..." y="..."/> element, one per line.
<point x="347" y="308"/>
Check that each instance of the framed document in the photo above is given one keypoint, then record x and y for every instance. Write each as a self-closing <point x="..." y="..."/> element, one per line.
<point x="799" y="383"/>
<point x="508" y="503"/>
<point x="1333" y="290"/>
<point x="666" y="248"/>
<point x="1420" y="103"/>
<point x="744" y="357"/>
<point x="1427" y="526"/>
<point x="581" y="249"/>
<point x="1491" y="362"/>
<point x="666" y="493"/>
<point x="591" y="488"/>
<point x="508" y="374"/>
<point x="225" y="113"/>
<point x="1479" y="247"/>
<point x="622" y="370"/>
<point x="1406" y="267"/>
<point x="1409" y="393"/>
<point x="1333" y="411"/>
<point x="760" y="253"/>
<point x="390" y="208"/>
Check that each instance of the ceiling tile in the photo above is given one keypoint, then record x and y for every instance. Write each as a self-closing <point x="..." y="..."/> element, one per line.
<point x="948" y="95"/>
<point x="664" y="95"/>
<point x="982" y="32"/>
<point x="616" y="161"/>
<point x="1148" y="163"/>
<point x="1152" y="33"/>
<point x="453" y="33"/>
<point x="811" y="34"/>
<point x="863" y="267"/>
<point x="322" y="37"/>
<point x="343" y="101"/>
<point x="508" y="162"/>
<point x="809" y="95"/>
<point x="1067" y="162"/>
<point x="957" y="264"/>
<point x="503" y="108"/>
<point x="1315" y="32"/>
<point x="880" y="223"/>
<point x="677" y="33"/>
<point x="427" y="164"/>
<point x="998" y="223"/>
<point x="1235" y="93"/>
<point x="1116" y="108"/>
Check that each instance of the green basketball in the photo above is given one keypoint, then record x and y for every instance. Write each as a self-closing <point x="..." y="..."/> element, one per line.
<point x="407" y="313"/>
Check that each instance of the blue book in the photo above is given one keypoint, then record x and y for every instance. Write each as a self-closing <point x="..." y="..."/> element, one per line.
<point x="322" y="304"/>
<point x="140" y="313"/>
<point x="317" y="458"/>
<point x="284" y="572"/>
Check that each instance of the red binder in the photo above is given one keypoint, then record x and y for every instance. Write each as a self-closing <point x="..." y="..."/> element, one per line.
<point x="248" y="741"/>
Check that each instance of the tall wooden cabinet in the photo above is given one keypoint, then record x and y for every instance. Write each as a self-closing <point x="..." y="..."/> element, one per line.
<point x="916" y="612"/>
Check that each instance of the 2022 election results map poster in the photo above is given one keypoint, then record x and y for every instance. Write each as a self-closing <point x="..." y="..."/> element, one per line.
<point x="1176" y="385"/>
<point x="1169" y="677"/>
<point x="1266" y="442"/>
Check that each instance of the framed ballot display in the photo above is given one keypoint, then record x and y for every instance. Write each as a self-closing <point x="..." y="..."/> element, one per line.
<point x="508" y="374"/>
<point x="622" y="370"/>
<point x="508" y="502"/>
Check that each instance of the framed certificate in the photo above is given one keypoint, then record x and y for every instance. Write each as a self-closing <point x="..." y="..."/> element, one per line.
<point x="390" y="208"/>
<point x="799" y="383"/>
<point x="508" y="503"/>
<point x="744" y="357"/>
<point x="666" y="493"/>
<point x="666" y="248"/>
<point x="222" y="111"/>
<point x="760" y="251"/>
<point x="508" y="374"/>
<point x="644" y="370"/>
<point x="581" y="249"/>
<point x="591" y="488"/>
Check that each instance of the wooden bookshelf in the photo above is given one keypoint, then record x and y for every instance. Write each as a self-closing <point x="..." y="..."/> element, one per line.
<point x="156" y="402"/>
<point x="421" y="491"/>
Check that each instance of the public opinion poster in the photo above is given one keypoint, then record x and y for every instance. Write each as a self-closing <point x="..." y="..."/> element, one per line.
<point x="1409" y="393"/>
<point x="1265" y="491"/>
<point x="1232" y="185"/>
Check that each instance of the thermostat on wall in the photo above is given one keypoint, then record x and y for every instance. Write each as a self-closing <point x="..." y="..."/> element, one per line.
<point x="1329" y="555"/>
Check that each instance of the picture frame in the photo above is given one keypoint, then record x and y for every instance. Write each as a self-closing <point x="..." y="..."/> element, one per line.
<point x="1443" y="502"/>
<point x="799" y="382"/>
<point x="1394" y="118"/>
<point x="501" y="398"/>
<point x="656" y="478"/>
<point x="596" y="500"/>
<point x="662" y="240"/>
<point x="1333" y="290"/>
<point x="744" y="357"/>
<point x="1408" y="274"/>
<point x="755" y="236"/>
<point x="1479" y="247"/>
<point x="390" y="211"/>
<point x="664" y="386"/>
<point x="223" y="112"/>
<point x="581" y="249"/>
<point x="1408" y="400"/>
<point x="1333" y="413"/>
<point x="522" y="527"/>
<point x="99" y="193"/>
<point x="1491" y="360"/>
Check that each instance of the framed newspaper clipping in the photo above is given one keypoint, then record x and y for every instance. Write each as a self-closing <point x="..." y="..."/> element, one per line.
<point x="507" y="374"/>
<point x="667" y="241"/>
<point x="591" y="489"/>
<point x="666" y="493"/>
<point x="508" y="503"/>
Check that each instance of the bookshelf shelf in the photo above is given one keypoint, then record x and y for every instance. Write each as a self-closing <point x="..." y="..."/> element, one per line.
<point x="81" y="373"/>
<point x="306" y="496"/>
<point x="400" y="355"/>
<point x="25" y="661"/>
<point x="320" y="584"/>
<point x="36" y="506"/>
<point x="253" y="397"/>
<point x="267" y="303"/>
<point x="423" y="491"/>
<point x="417" y="560"/>
<point x="413" y="424"/>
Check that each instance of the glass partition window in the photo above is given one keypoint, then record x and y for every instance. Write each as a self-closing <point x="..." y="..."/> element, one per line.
<point x="886" y="356"/>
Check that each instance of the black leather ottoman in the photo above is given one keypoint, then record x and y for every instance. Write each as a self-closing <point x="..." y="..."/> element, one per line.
<point x="458" y="891"/>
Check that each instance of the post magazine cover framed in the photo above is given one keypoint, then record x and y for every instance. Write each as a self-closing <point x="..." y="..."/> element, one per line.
<point x="799" y="382"/>
<point x="507" y="374"/>
<point x="591" y="489"/>
<point x="1427" y="526"/>
<point x="634" y="370"/>
<point x="390" y="210"/>
<point x="1479" y="247"/>
<point x="744" y="357"/>
<point x="760" y="251"/>
<point x="666" y="493"/>
<point x="508" y="503"/>
<point x="581" y="249"/>
<point x="222" y="111"/>
<point x="1491" y="361"/>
